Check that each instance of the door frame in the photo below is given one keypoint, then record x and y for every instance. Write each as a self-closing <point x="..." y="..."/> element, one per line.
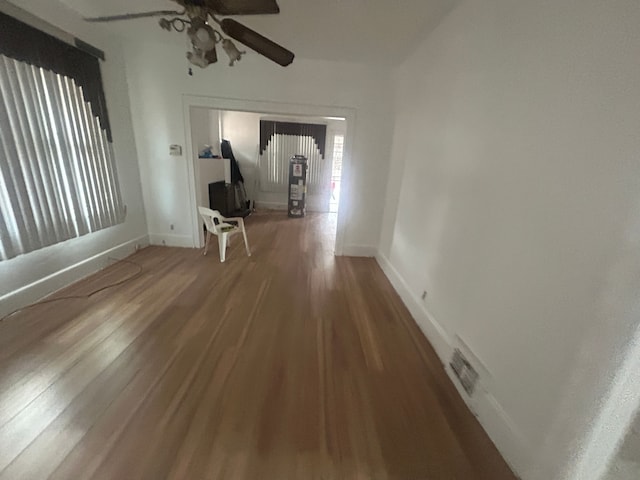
<point x="273" y="108"/>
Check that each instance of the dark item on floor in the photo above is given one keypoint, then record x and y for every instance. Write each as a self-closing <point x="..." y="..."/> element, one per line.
<point x="230" y="199"/>
<point x="297" y="186"/>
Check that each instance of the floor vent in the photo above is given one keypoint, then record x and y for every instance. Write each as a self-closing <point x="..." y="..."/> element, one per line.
<point x="464" y="371"/>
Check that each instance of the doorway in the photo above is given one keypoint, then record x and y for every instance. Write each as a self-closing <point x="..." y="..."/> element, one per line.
<point x="210" y="120"/>
<point x="336" y="172"/>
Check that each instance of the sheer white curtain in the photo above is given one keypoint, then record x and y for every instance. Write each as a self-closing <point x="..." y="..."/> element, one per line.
<point x="58" y="176"/>
<point x="274" y="162"/>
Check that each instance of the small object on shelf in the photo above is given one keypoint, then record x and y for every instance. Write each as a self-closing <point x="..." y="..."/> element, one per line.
<point x="206" y="152"/>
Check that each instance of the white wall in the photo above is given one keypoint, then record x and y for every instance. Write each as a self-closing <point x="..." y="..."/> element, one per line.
<point x="26" y="278"/>
<point x="158" y="80"/>
<point x="214" y="132"/>
<point x="626" y="465"/>
<point x="514" y="200"/>
<point x="202" y="129"/>
<point x="242" y="129"/>
<point x="205" y="131"/>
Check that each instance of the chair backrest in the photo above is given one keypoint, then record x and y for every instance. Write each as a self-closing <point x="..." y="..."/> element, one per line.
<point x="211" y="218"/>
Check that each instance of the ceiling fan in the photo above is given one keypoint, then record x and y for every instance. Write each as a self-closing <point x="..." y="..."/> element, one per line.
<point x="195" y="20"/>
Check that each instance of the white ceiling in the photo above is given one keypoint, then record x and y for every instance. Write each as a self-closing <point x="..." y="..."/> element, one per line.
<point x="365" y="31"/>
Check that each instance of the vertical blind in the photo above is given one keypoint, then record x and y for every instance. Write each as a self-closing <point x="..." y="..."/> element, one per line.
<point x="58" y="177"/>
<point x="27" y="44"/>
<point x="279" y="141"/>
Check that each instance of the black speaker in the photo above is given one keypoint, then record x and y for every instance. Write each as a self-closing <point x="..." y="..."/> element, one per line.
<point x="222" y="197"/>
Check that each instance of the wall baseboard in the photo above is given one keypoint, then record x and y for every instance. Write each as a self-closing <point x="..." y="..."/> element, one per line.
<point x="271" y="205"/>
<point x="283" y="207"/>
<point x="358" y="251"/>
<point x="434" y="332"/>
<point x="483" y="404"/>
<point x="52" y="283"/>
<point x="501" y="430"/>
<point x="167" y="240"/>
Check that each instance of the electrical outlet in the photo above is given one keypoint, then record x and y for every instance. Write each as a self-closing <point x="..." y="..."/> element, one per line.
<point x="424" y="295"/>
<point x="164" y="242"/>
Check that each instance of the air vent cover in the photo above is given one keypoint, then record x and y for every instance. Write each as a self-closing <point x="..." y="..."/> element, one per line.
<point x="464" y="371"/>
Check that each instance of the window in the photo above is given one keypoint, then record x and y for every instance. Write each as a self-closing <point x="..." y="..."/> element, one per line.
<point x="336" y="172"/>
<point x="58" y="177"/>
<point x="279" y="141"/>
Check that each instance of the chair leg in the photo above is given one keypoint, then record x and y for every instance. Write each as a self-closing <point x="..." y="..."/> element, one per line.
<point x="206" y="243"/>
<point x="222" y="245"/>
<point x="246" y="242"/>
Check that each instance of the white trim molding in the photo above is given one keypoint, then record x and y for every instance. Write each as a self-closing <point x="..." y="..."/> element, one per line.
<point x="359" y="251"/>
<point x="52" y="283"/>
<point x="434" y="332"/>
<point x="167" y="240"/>
<point x="271" y="205"/>
<point x="495" y="421"/>
<point x="275" y="108"/>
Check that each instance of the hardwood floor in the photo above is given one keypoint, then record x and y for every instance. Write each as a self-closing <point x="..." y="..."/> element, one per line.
<point x="290" y="364"/>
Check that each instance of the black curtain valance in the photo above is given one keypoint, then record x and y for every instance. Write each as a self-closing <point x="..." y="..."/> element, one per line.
<point x="26" y="44"/>
<point x="270" y="128"/>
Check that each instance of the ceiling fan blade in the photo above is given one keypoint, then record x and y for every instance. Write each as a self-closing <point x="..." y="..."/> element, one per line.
<point x="257" y="42"/>
<point x="131" y="16"/>
<point x="241" y="7"/>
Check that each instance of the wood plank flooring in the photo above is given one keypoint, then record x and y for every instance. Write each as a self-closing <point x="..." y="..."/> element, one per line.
<point x="290" y="364"/>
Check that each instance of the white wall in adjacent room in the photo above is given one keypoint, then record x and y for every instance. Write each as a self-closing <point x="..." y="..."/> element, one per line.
<point x="242" y="129"/>
<point x="205" y="134"/>
<point x="28" y="277"/>
<point x="514" y="200"/>
<point x="158" y="80"/>
<point x="214" y="131"/>
<point x="203" y="130"/>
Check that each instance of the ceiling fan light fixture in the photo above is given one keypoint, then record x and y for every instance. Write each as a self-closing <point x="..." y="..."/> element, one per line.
<point x="201" y="58"/>
<point x="203" y="40"/>
<point x="243" y="7"/>
<point x="234" y="53"/>
<point x="194" y="21"/>
<point x="257" y="42"/>
<point x="202" y="35"/>
<point x="206" y="39"/>
<point x="212" y="56"/>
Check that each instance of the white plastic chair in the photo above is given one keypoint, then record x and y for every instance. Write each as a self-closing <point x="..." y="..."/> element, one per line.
<point x="218" y="225"/>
